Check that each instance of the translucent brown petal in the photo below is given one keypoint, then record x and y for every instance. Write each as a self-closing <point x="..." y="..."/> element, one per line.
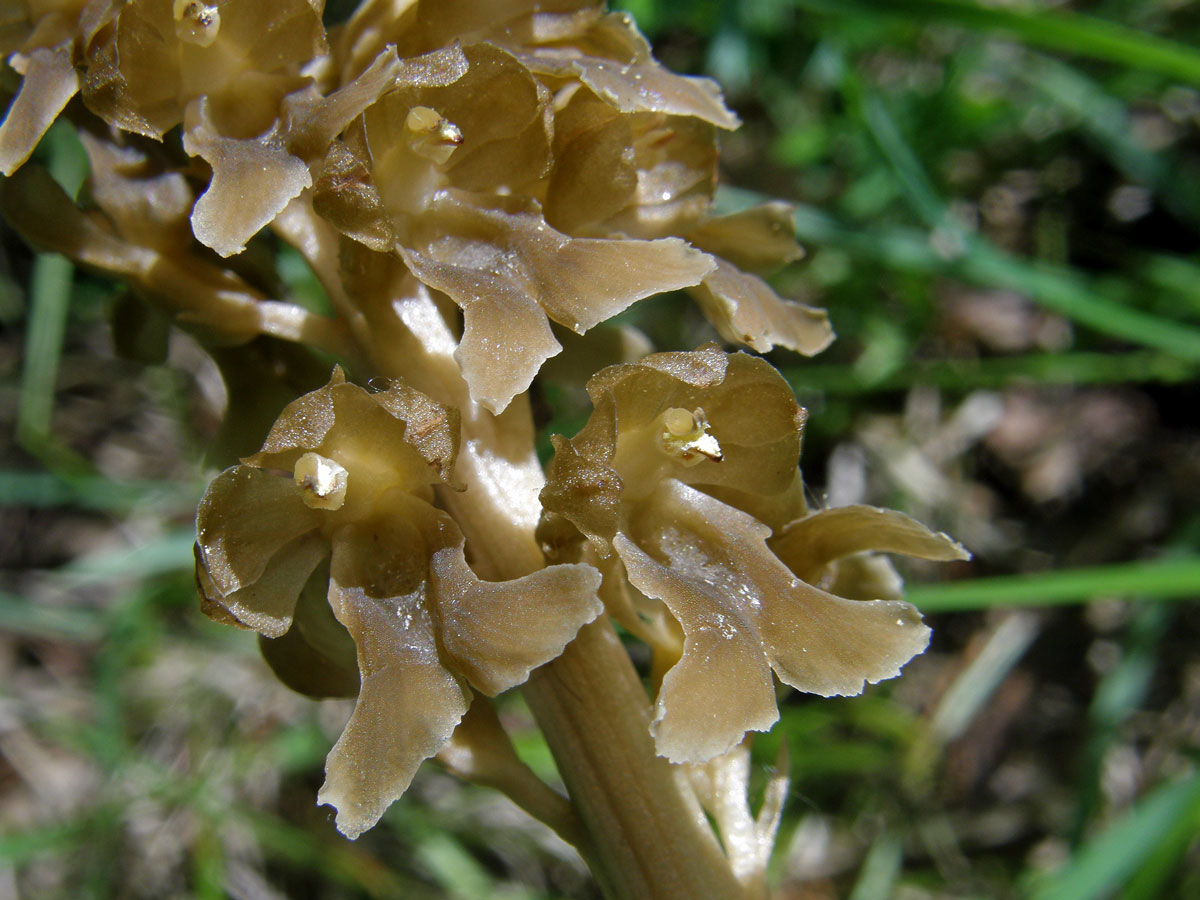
<point x="746" y="310"/>
<point x="245" y="517"/>
<point x="252" y="181"/>
<point x="759" y="239"/>
<point x="506" y="335"/>
<point x="50" y="81"/>
<point x="722" y="686"/>
<point x="496" y="633"/>
<point x="408" y="705"/>
<point x="267" y="604"/>
<point x="594" y="173"/>
<point x="501" y="266"/>
<point x="741" y="609"/>
<point x="316" y="656"/>
<point x="810" y="544"/>
<point x="617" y="66"/>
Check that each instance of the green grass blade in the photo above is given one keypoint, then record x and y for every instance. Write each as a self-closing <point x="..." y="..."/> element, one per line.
<point x="1151" y="879"/>
<point x="49" y="297"/>
<point x="880" y="869"/>
<point x="453" y="868"/>
<point x="915" y="181"/>
<point x="979" y="680"/>
<point x="17" y="847"/>
<point x="1054" y="29"/>
<point x="62" y="623"/>
<point x="964" y="375"/>
<point x="1061" y="290"/>
<point x="1113" y="856"/>
<point x="42" y="490"/>
<point x="975" y="259"/>
<point x="1120" y="693"/>
<point x="1153" y="579"/>
<point x="1055" y="287"/>
<point x="172" y="552"/>
<point x="1106" y="122"/>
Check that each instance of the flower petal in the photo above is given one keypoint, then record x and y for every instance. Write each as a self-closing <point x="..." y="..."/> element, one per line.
<point x="594" y="173"/>
<point x="252" y="181"/>
<point x="443" y="22"/>
<point x="315" y="120"/>
<point x="808" y="545"/>
<point x="676" y="161"/>
<point x="50" y="82"/>
<point x="586" y="281"/>
<point x="756" y="420"/>
<point x="316" y="656"/>
<point x="636" y="392"/>
<point x="408" y="704"/>
<point x="864" y="576"/>
<point x="362" y="432"/>
<point x="431" y="427"/>
<point x="504" y="115"/>
<point x="147" y="201"/>
<point x="579" y="282"/>
<point x="618" y="67"/>
<point x="506" y="335"/>
<point x="746" y="310"/>
<point x="751" y="410"/>
<point x="832" y="646"/>
<point x="498" y="632"/>
<point x="346" y="197"/>
<point x="266" y="605"/>
<point x="501" y="266"/>
<point x="759" y="239"/>
<point x="814" y="641"/>
<point x="300" y="427"/>
<point x="583" y="490"/>
<point x="500" y="111"/>
<point x="722" y="686"/>
<point x="245" y="517"/>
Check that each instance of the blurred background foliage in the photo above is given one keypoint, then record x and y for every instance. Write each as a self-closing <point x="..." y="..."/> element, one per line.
<point x="1001" y="206"/>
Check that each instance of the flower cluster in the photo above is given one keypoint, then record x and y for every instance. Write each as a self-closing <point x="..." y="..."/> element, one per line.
<point x="532" y="162"/>
<point x="459" y="176"/>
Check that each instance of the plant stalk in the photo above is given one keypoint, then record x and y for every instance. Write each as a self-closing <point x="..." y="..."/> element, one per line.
<point x="649" y="839"/>
<point x="645" y="835"/>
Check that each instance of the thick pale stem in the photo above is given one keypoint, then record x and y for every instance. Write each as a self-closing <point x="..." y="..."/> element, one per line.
<point x="482" y="753"/>
<point x="644" y="834"/>
<point x="649" y="839"/>
<point x="646" y="837"/>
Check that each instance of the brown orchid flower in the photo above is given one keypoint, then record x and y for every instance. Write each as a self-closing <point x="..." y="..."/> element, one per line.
<point x="680" y="451"/>
<point x="346" y="476"/>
